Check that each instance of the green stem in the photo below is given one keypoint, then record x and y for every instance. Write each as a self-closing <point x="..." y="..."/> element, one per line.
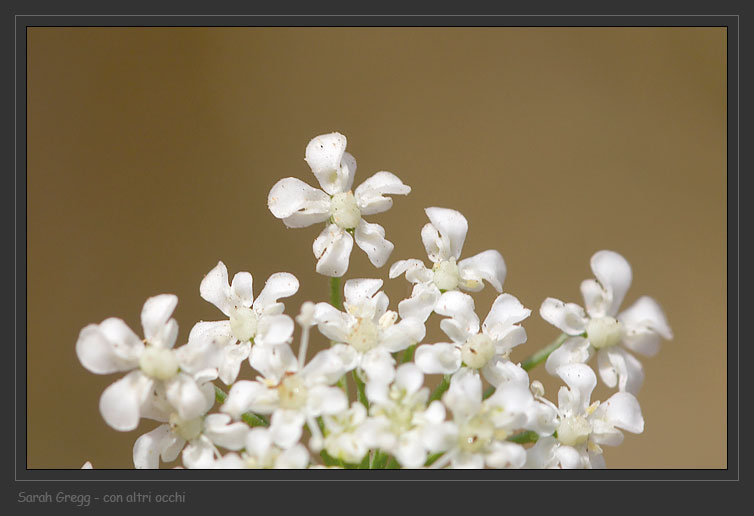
<point x="408" y="354"/>
<point x="444" y="385"/>
<point x="335" y="293"/>
<point x="489" y="392"/>
<point x="343" y="384"/>
<point x="527" y="436"/>
<point x="360" y="390"/>
<point x="541" y="355"/>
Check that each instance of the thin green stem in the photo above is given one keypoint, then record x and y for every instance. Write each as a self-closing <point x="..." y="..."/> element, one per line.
<point x="444" y="385"/>
<point x="408" y="354"/>
<point x="360" y="389"/>
<point x="541" y="355"/>
<point x="335" y="293"/>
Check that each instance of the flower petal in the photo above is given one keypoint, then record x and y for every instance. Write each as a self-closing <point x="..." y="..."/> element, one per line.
<point x="370" y="195"/>
<point x="246" y="395"/>
<point x="333" y="250"/>
<point x="186" y="396"/>
<point x="440" y="358"/>
<point x="371" y="239"/>
<point x="108" y="347"/>
<point x="286" y="427"/>
<point x="575" y="350"/>
<point x="324" y="400"/>
<point x="568" y="317"/>
<point x="273" y="360"/>
<point x="452" y="224"/>
<point x="274" y="329"/>
<point x="487" y="265"/>
<point x="622" y="410"/>
<point x="421" y="304"/>
<point x="332" y="323"/>
<point x="460" y="307"/>
<point x="278" y="285"/>
<point x="580" y="379"/>
<point x="646" y="314"/>
<point x="378" y="366"/>
<point x="215" y="288"/>
<point x="148" y="447"/>
<point x="506" y="455"/>
<point x="155" y="315"/>
<point x="357" y="290"/>
<point x="120" y="403"/>
<point x="506" y="311"/>
<point x="629" y="369"/>
<point x="242" y="289"/>
<point x="297" y="203"/>
<point x="464" y="396"/>
<point x="614" y="273"/>
<point x="324" y="154"/>
<point x="402" y="335"/>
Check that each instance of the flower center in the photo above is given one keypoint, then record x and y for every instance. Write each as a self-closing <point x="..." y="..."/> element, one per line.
<point x="186" y="430"/>
<point x="475" y="434"/>
<point x="446" y="275"/>
<point x="159" y="363"/>
<point x="243" y="323"/>
<point x="292" y="392"/>
<point x="574" y="431"/>
<point x="345" y="212"/>
<point x="477" y="351"/>
<point x="604" y="332"/>
<point x="365" y="336"/>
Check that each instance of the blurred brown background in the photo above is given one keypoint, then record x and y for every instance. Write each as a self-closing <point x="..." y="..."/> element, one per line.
<point x="151" y="152"/>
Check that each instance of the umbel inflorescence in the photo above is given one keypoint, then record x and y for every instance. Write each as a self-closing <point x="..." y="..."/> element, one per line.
<point x="297" y="411"/>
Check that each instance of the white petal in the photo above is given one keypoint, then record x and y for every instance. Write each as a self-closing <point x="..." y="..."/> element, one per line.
<point x="409" y="378"/>
<point x="568" y="317"/>
<point x="327" y="366"/>
<point x="596" y="299"/>
<point x="487" y="265"/>
<point x="323" y="400"/>
<point x="466" y="460"/>
<point x="357" y="290"/>
<point x="155" y="315"/>
<point x="273" y="360"/>
<point x="258" y="442"/>
<point x="120" y="403"/>
<point x="614" y="273"/>
<point x="242" y="288"/>
<point x="644" y="342"/>
<point x="569" y="457"/>
<point x="324" y="154"/>
<point x="437" y="246"/>
<point x="278" y="285"/>
<point x="246" y="395"/>
<point x="646" y="313"/>
<point x="286" y="427"/>
<point x="332" y="323"/>
<point x="506" y="455"/>
<point x="499" y="371"/>
<point x="452" y="224"/>
<point x="415" y="271"/>
<point x="464" y="396"/>
<point x="441" y="358"/>
<point x="108" y="347"/>
<point x="274" y="329"/>
<point x="215" y="288"/>
<point x="297" y="203"/>
<point x="575" y="350"/>
<point x="370" y="195"/>
<point x="421" y="304"/>
<point x="542" y="454"/>
<point x="410" y="453"/>
<point x="506" y="311"/>
<point x="295" y="457"/>
<point x="580" y="379"/>
<point x="347" y="170"/>
<point x="622" y="410"/>
<point x="371" y="238"/>
<point x="460" y="307"/>
<point x="630" y="371"/>
<point x="186" y="396"/>
<point x="232" y="357"/>
<point x="199" y="454"/>
<point x="378" y="365"/>
<point x="206" y="347"/>
<point x="148" y="447"/>
<point x="607" y="370"/>
<point x="402" y="335"/>
<point x="333" y="250"/>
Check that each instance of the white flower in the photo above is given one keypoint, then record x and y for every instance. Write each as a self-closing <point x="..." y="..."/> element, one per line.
<point x="293" y="395"/>
<point x="401" y="423"/>
<point x="581" y="426"/>
<point x="443" y="238"/>
<point x="223" y="345"/>
<point x="482" y="427"/>
<point x="202" y="435"/>
<point x="486" y="350"/>
<point x="300" y="205"/>
<point x="155" y="368"/>
<point x="261" y="452"/>
<point x="368" y="329"/>
<point x="638" y="328"/>
<point x="344" y="434"/>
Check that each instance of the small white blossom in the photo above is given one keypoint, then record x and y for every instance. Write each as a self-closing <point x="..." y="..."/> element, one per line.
<point x="582" y="426"/>
<point x="638" y="328"/>
<point x="300" y="205"/>
<point x="155" y="368"/>
<point x="486" y="350"/>
<point x="443" y="238"/>
<point x="368" y="329"/>
<point x="224" y="345"/>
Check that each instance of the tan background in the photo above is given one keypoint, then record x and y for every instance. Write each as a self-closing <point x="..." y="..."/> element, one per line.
<point x="151" y="152"/>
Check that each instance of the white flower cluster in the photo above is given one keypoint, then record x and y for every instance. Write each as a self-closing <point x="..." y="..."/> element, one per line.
<point x="297" y="412"/>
